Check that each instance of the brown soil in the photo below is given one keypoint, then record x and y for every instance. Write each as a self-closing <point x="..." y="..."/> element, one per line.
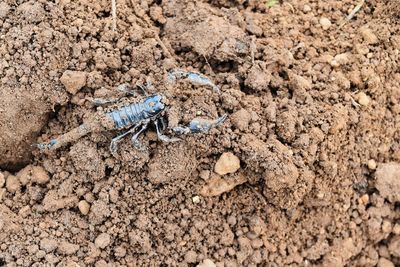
<point x="314" y="117"/>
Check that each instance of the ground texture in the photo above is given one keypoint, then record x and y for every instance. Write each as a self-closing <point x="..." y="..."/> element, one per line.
<point x="313" y="104"/>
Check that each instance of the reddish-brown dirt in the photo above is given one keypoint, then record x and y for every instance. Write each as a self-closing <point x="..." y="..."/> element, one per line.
<point x="313" y="116"/>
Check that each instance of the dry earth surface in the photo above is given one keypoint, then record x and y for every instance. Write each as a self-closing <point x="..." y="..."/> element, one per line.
<point x="314" y="125"/>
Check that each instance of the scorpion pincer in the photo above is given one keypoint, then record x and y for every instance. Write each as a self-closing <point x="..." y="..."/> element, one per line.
<point x="136" y="117"/>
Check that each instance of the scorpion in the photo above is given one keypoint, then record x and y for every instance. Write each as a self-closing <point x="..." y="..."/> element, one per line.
<point x="136" y="117"/>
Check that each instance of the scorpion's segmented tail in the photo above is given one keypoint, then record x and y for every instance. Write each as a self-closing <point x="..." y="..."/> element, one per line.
<point x="66" y="138"/>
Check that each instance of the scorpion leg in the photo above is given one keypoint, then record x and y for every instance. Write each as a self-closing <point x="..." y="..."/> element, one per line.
<point x="162" y="137"/>
<point x="193" y="77"/>
<point x="200" y="125"/>
<point x="117" y="139"/>
<point x="135" y="137"/>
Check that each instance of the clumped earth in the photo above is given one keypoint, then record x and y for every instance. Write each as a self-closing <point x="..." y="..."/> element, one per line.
<point x="308" y="168"/>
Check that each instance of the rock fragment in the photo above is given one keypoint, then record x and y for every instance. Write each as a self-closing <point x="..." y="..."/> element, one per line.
<point x="13" y="184"/>
<point x="73" y="80"/>
<point x="48" y="245"/>
<point x="371" y="164"/>
<point x="325" y="23"/>
<point x="394" y="246"/>
<point x="241" y="119"/>
<point x="84" y="207"/>
<point x="227" y="163"/>
<point x="368" y="35"/>
<point x="34" y="174"/>
<point x="66" y="248"/>
<point x="2" y="180"/>
<point x="207" y="263"/>
<point x="218" y="185"/>
<point x="4" y="9"/>
<point x="362" y="99"/>
<point x="103" y="240"/>
<point x="388" y="181"/>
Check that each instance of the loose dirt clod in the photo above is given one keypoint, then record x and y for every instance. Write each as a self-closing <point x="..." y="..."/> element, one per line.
<point x="73" y="80"/>
<point x="388" y="181"/>
<point x="218" y="185"/>
<point x="103" y="240"/>
<point x="227" y="163"/>
<point x="207" y="263"/>
<point x="2" y="179"/>
<point x="13" y="184"/>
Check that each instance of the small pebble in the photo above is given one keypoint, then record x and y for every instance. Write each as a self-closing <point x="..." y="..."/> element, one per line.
<point x="191" y="256"/>
<point x="103" y="240"/>
<point x="227" y="163"/>
<point x="325" y="23"/>
<point x="340" y="59"/>
<point x="205" y="174"/>
<point x="306" y="8"/>
<point x="363" y="200"/>
<point x="84" y="207"/>
<point x="196" y="199"/>
<point x="39" y="175"/>
<point x="362" y="99"/>
<point x="12" y="184"/>
<point x="2" y="179"/>
<point x="396" y="229"/>
<point x="207" y="263"/>
<point x="4" y="9"/>
<point x="386" y="226"/>
<point x="385" y="263"/>
<point x="371" y="164"/>
<point x="369" y="36"/>
<point x="73" y="80"/>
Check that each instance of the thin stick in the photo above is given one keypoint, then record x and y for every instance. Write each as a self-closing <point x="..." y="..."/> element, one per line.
<point x="114" y="15"/>
<point x="352" y="13"/>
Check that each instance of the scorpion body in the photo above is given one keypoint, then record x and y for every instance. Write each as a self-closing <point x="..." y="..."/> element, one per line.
<point x="135" y="113"/>
<point x="139" y="115"/>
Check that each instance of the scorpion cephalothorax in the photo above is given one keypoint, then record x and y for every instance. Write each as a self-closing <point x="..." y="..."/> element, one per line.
<point x="136" y="117"/>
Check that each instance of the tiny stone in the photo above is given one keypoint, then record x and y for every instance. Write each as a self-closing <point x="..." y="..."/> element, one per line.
<point x="103" y="240"/>
<point x="40" y="254"/>
<point x="48" y="245"/>
<point x="73" y="80"/>
<point x="385" y="263"/>
<point x="340" y="59"/>
<point x="362" y="99"/>
<point x="371" y="164"/>
<point x="325" y="23"/>
<point x="101" y="263"/>
<point x="368" y="35"/>
<point x="84" y="207"/>
<point x="12" y="184"/>
<point x="205" y="174"/>
<point x="207" y="263"/>
<point x="4" y="9"/>
<point x="306" y="8"/>
<point x="386" y="226"/>
<point x="66" y="248"/>
<point x="191" y="256"/>
<point x="396" y="229"/>
<point x="227" y="163"/>
<point x="196" y="199"/>
<point x="363" y="200"/>
<point x="2" y="179"/>
<point x="39" y="175"/>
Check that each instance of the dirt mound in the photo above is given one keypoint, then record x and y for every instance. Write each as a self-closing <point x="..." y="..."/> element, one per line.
<point x="313" y="117"/>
